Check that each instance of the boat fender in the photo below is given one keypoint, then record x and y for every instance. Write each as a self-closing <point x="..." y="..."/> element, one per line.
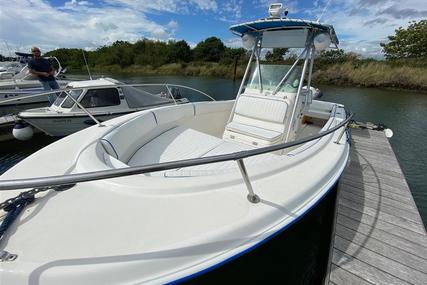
<point x="317" y="93"/>
<point x="388" y="133"/>
<point x="22" y="131"/>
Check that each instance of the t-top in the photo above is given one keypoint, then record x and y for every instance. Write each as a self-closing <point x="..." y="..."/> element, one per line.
<point x="41" y="65"/>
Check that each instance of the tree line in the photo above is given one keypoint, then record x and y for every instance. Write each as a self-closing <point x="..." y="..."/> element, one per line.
<point x="150" y="52"/>
<point x="409" y="44"/>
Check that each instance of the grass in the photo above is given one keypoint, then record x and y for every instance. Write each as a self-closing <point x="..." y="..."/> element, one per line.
<point x="373" y="74"/>
<point x="363" y="73"/>
<point x="212" y="69"/>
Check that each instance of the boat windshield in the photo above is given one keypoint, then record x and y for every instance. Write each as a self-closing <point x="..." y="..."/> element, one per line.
<point x="271" y="75"/>
<point x="65" y="101"/>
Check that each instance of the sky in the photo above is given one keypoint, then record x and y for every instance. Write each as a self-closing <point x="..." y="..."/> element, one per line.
<point x="360" y="24"/>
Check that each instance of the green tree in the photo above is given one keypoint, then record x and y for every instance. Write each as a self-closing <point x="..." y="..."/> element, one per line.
<point x="232" y="54"/>
<point x="179" y="51"/>
<point x="148" y="52"/>
<point x="71" y="58"/>
<point x="211" y="49"/>
<point x="276" y="55"/>
<point x="407" y="43"/>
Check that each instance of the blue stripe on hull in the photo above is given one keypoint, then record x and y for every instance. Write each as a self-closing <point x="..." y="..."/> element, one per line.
<point x="198" y="274"/>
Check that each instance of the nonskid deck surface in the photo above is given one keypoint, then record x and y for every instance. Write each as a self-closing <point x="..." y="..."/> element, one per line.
<point x="379" y="236"/>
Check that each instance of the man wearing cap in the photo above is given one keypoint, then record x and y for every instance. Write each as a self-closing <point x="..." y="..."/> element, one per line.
<point x="42" y="68"/>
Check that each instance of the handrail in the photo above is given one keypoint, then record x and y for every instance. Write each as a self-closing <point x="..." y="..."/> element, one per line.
<point x="68" y="95"/>
<point x="113" y="173"/>
<point x="96" y="87"/>
<point x="170" y="93"/>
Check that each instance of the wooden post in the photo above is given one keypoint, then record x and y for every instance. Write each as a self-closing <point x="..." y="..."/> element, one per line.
<point x="235" y="68"/>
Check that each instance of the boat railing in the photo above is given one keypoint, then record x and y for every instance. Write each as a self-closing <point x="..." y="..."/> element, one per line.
<point x="71" y="179"/>
<point x="166" y="85"/>
<point x="67" y="92"/>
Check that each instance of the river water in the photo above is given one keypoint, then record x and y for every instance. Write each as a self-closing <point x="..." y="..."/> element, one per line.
<point x="306" y="243"/>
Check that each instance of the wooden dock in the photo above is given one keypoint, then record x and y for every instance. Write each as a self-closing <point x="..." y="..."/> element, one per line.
<point x="378" y="236"/>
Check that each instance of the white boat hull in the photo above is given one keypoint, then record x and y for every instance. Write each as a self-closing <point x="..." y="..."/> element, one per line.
<point x="23" y="91"/>
<point x="59" y="126"/>
<point x="22" y="97"/>
<point x="157" y="229"/>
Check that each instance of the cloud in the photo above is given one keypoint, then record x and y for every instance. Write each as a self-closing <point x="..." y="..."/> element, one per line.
<point x="26" y="23"/>
<point x="172" y="6"/>
<point x="230" y="11"/>
<point x="397" y="13"/>
<point x="234" y="42"/>
<point x="375" y="21"/>
<point x="362" y="24"/>
<point x="75" y="5"/>
<point x="371" y="2"/>
<point x="173" y="25"/>
<point x="205" y="4"/>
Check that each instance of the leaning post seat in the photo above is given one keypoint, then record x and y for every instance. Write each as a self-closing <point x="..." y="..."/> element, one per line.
<point x="258" y="120"/>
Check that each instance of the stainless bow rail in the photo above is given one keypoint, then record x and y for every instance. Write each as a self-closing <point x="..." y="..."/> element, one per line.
<point x="113" y="173"/>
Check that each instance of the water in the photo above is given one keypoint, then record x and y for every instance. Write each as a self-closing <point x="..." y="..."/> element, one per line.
<point x="406" y="114"/>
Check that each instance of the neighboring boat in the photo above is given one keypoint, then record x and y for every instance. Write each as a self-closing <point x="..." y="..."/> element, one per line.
<point x="22" y="96"/>
<point x="9" y="68"/>
<point x="103" y="99"/>
<point x="20" y="88"/>
<point x="210" y="180"/>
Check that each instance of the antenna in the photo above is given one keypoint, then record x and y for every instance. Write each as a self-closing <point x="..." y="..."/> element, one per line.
<point x="87" y="66"/>
<point x="323" y="12"/>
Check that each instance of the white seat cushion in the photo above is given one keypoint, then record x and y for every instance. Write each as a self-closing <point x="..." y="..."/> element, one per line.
<point x="123" y="141"/>
<point x="223" y="167"/>
<point x="265" y="108"/>
<point x="254" y="131"/>
<point x="175" y="144"/>
<point x="183" y="143"/>
<point x="257" y="120"/>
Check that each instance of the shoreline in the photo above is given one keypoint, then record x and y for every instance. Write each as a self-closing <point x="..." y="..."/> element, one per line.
<point x="377" y="75"/>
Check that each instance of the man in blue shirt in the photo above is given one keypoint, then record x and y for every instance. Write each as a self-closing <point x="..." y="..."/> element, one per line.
<point x="42" y="68"/>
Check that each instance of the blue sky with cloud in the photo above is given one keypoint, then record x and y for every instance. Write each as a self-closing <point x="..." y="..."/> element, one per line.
<point x="360" y="24"/>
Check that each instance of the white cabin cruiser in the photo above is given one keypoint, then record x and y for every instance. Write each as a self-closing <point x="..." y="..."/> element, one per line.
<point x="85" y="103"/>
<point x="9" y="68"/>
<point x="20" y="88"/>
<point x="189" y="187"/>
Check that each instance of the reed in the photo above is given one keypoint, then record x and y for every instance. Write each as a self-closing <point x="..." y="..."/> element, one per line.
<point x="363" y="73"/>
<point x="373" y="74"/>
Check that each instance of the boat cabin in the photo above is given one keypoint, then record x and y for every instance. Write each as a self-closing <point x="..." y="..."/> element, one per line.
<point x="105" y="94"/>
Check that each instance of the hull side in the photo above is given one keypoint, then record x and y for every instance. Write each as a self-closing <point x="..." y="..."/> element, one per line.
<point x="299" y="252"/>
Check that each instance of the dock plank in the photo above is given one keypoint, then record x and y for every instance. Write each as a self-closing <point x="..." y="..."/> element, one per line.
<point x="378" y="237"/>
<point x="341" y="276"/>
<point x="416" y="237"/>
<point x="395" y="220"/>
<point x="382" y="248"/>
<point x="372" y="231"/>
<point x="364" y="270"/>
<point x="381" y="262"/>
